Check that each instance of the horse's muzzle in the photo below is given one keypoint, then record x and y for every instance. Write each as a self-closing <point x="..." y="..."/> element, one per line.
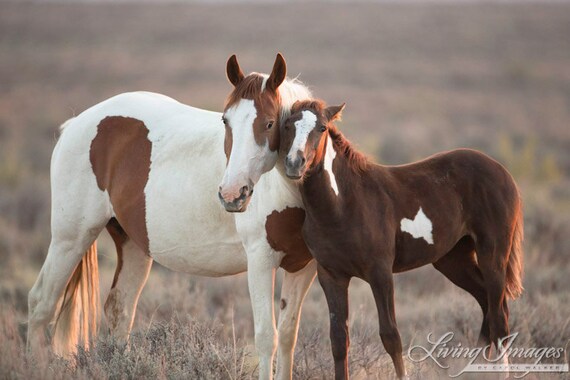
<point x="240" y="203"/>
<point x="294" y="169"/>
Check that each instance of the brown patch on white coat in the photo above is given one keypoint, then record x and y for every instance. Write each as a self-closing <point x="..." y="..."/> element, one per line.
<point x="120" y="158"/>
<point x="284" y="234"/>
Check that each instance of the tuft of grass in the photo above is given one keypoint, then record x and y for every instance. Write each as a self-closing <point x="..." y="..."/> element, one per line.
<point x="176" y="349"/>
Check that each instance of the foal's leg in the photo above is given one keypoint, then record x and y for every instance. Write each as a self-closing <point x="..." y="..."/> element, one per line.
<point x="460" y="267"/>
<point x="261" y="281"/>
<point x="382" y="284"/>
<point x="336" y="291"/>
<point x="133" y="267"/>
<point x="293" y="292"/>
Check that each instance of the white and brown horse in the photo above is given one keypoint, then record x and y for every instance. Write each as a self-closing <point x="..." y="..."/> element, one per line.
<point x="460" y="211"/>
<point x="148" y="169"/>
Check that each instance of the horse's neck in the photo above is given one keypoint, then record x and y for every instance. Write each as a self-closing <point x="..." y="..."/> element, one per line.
<point x="322" y="186"/>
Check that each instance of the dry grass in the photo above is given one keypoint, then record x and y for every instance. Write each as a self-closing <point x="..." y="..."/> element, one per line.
<point x="417" y="79"/>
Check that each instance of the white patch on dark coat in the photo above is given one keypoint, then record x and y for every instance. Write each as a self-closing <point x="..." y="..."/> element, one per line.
<point x="419" y="227"/>
<point x="303" y="128"/>
<point x="330" y="155"/>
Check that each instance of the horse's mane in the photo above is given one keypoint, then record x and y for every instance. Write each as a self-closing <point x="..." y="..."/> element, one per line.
<point x="356" y="160"/>
<point x="253" y="85"/>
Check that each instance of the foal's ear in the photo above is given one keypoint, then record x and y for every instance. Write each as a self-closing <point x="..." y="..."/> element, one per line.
<point x="277" y="74"/>
<point x="334" y="112"/>
<point x="233" y="71"/>
<point x="295" y="106"/>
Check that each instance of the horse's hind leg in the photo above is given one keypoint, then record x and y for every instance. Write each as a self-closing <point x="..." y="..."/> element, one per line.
<point x="490" y="257"/>
<point x="68" y="245"/>
<point x="133" y="267"/>
<point x="79" y="211"/>
<point x="460" y="267"/>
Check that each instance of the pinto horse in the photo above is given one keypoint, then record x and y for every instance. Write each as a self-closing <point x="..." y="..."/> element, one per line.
<point x="147" y="168"/>
<point x="460" y="211"/>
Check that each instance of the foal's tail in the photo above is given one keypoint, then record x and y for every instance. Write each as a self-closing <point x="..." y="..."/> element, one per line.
<point x="515" y="264"/>
<point x="78" y="313"/>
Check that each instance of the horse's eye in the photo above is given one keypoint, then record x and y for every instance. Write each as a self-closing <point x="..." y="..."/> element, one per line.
<point x="269" y="125"/>
<point x="224" y="120"/>
<point x="323" y="128"/>
<point x="286" y="127"/>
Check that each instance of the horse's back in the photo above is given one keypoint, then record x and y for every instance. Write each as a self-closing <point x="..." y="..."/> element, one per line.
<point x="460" y="166"/>
<point x="465" y="183"/>
<point x="152" y="108"/>
<point x="104" y="130"/>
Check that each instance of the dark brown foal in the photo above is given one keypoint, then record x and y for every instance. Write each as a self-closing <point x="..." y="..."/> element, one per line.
<point x="460" y="211"/>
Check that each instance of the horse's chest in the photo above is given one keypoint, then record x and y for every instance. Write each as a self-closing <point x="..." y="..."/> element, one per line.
<point x="333" y="245"/>
<point x="284" y="234"/>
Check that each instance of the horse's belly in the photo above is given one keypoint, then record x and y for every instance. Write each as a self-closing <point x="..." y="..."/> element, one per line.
<point x="212" y="260"/>
<point x="197" y="237"/>
<point x="414" y="253"/>
<point x="188" y="228"/>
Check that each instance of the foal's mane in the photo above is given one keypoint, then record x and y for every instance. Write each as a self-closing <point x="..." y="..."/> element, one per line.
<point x="253" y="85"/>
<point x="357" y="161"/>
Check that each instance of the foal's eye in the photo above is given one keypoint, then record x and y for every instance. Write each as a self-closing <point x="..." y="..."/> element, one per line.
<point x="269" y="125"/>
<point x="323" y="128"/>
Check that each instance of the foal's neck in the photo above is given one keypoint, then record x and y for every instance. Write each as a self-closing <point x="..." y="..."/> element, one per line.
<point x="322" y="185"/>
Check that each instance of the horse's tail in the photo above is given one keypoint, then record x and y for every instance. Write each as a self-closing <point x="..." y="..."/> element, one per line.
<point x="78" y="313"/>
<point x="515" y="263"/>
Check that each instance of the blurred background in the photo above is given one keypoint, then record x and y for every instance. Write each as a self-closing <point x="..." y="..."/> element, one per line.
<point x="418" y="78"/>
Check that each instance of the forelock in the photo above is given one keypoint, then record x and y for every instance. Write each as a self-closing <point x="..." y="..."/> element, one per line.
<point x="248" y="88"/>
<point x="314" y="105"/>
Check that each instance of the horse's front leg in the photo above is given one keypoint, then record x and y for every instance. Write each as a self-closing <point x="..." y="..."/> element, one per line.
<point x="336" y="293"/>
<point x="293" y="292"/>
<point x="382" y="284"/>
<point x="261" y="281"/>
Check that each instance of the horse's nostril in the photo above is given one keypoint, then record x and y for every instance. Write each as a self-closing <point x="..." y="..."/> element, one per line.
<point x="303" y="160"/>
<point x="244" y="190"/>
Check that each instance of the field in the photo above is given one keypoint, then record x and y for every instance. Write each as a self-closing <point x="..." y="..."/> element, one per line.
<point x="417" y="78"/>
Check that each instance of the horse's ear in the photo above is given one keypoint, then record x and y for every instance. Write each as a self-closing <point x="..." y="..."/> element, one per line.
<point x="334" y="112"/>
<point x="233" y="71"/>
<point x="295" y="105"/>
<point x="278" y="73"/>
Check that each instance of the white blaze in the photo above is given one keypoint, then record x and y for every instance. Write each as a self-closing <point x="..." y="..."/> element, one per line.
<point x="420" y="227"/>
<point x="303" y="127"/>
<point x="248" y="160"/>
<point x="330" y="155"/>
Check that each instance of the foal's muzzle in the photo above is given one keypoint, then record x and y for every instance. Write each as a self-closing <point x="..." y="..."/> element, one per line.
<point x="240" y="203"/>
<point x="294" y="168"/>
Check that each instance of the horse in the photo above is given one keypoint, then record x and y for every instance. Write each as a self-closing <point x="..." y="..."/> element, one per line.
<point x="459" y="210"/>
<point x="147" y="168"/>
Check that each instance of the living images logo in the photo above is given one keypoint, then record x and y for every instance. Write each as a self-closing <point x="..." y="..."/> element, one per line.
<point x="511" y="358"/>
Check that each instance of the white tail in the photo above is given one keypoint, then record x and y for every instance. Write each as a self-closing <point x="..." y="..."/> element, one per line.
<point x="78" y="313"/>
